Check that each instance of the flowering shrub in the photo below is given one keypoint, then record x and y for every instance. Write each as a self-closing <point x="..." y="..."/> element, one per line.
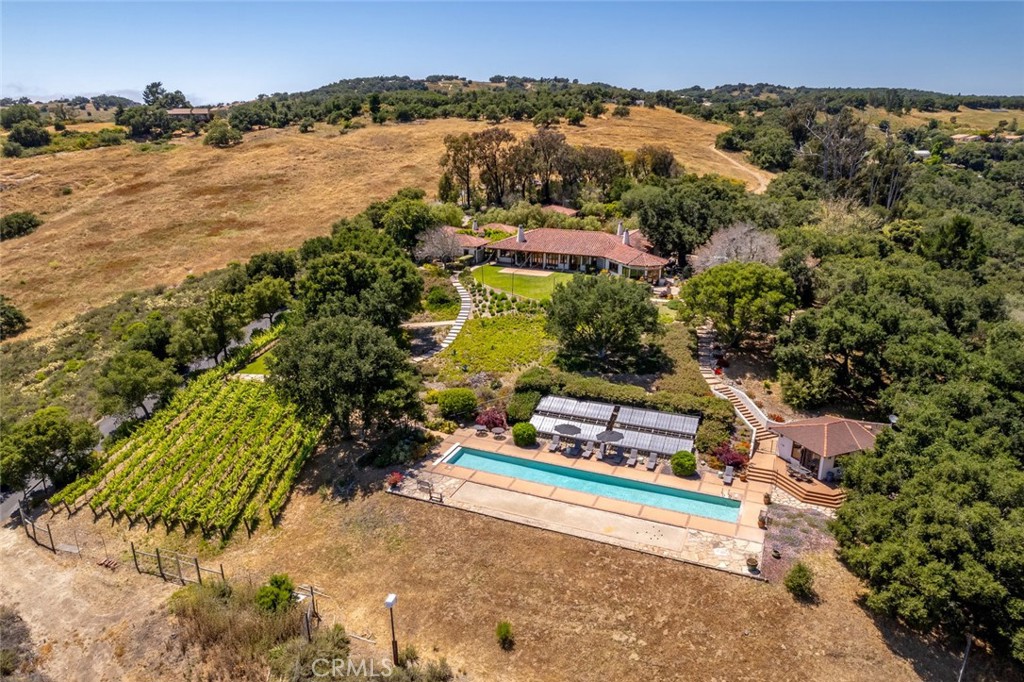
<point x="728" y="456"/>
<point x="776" y="417"/>
<point x="492" y="417"/>
<point x="394" y="478"/>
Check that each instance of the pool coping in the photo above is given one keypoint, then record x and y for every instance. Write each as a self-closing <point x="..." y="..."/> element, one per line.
<point x="565" y="494"/>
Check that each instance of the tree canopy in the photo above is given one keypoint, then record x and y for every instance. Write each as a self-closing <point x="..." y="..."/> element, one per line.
<point x="601" y="320"/>
<point x="49" y="443"/>
<point x="343" y="367"/>
<point x="132" y="376"/>
<point x="740" y="299"/>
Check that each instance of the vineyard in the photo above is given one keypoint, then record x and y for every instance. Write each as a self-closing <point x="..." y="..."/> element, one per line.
<point x="222" y="452"/>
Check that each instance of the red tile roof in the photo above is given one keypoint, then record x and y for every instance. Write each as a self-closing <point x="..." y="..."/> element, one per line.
<point x="564" y="210"/>
<point x="828" y="436"/>
<point x="467" y="241"/>
<point x="581" y="243"/>
<point x="510" y="229"/>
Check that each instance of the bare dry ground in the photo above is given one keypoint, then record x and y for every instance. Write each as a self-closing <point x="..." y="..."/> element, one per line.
<point x="135" y="219"/>
<point x="580" y="610"/>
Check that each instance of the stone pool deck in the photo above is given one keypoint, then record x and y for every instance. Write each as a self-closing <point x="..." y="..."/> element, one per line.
<point x="684" y="537"/>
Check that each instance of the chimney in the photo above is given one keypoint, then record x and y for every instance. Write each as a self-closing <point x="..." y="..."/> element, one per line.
<point x="521" y="235"/>
<point x="625" y="237"/>
<point x="476" y="228"/>
<point x="618" y="231"/>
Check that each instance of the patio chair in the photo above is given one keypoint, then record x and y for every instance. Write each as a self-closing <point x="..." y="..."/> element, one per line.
<point x="652" y="461"/>
<point x="727" y="476"/>
<point x="631" y="462"/>
<point x="588" y="449"/>
<point x="600" y="452"/>
<point x="620" y="454"/>
<point x="556" y="443"/>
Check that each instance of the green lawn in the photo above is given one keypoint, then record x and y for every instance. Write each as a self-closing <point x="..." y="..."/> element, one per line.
<point x="257" y="366"/>
<point x="528" y="286"/>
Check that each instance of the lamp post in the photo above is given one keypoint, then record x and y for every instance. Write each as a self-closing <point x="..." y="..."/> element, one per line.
<point x="390" y="602"/>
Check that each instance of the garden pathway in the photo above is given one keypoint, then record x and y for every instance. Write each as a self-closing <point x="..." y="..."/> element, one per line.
<point x="465" y="310"/>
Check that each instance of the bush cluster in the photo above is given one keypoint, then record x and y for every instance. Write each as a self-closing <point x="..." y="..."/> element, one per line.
<point x="524" y="435"/>
<point x="18" y="224"/>
<point x="457" y="403"/>
<point x="506" y="638"/>
<point x="521" y="406"/>
<point x="800" y="582"/>
<point x="684" y="463"/>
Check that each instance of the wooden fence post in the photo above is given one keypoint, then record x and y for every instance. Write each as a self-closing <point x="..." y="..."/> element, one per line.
<point x="223" y="579"/>
<point x="53" y="547"/>
<point x="199" y="574"/>
<point x="159" y="564"/>
<point x="181" y="576"/>
<point x="135" y="558"/>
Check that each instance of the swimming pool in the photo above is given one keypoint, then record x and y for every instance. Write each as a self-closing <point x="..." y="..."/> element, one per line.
<point x="603" y="485"/>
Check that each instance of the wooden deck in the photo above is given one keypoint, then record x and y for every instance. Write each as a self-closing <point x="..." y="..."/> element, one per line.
<point x="767" y="467"/>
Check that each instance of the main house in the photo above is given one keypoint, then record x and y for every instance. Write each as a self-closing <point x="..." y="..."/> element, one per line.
<point x="625" y="253"/>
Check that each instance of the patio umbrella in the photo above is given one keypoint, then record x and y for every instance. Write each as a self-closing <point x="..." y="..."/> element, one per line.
<point x="610" y="436"/>
<point x="568" y="430"/>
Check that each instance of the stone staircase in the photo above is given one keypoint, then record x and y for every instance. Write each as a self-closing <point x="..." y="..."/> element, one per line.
<point x="465" y="310"/>
<point x="765" y="466"/>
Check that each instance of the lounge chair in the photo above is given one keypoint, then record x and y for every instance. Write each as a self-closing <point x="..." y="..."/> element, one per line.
<point x="600" y="452"/>
<point x="632" y="458"/>
<point x="556" y="443"/>
<point x="588" y="449"/>
<point x="727" y="476"/>
<point x="652" y="461"/>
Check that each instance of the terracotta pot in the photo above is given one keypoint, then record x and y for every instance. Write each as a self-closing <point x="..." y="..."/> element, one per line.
<point x="767" y="498"/>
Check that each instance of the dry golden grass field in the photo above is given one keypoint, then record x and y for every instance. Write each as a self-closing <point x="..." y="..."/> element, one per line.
<point x="967" y="120"/>
<point x="135" y="219"/>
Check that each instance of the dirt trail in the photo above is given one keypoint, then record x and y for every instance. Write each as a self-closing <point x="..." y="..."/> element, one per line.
<point x="88" y="623"/>
<point x="760" y="177"/>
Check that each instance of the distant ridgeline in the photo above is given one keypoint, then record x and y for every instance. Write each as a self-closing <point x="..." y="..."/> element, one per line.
<point x="401" y="98"/>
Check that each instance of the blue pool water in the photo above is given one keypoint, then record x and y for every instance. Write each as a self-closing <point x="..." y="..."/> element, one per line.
<point x="603" y="485"/>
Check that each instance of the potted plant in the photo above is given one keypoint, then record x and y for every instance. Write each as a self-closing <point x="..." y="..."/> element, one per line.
<point x="393" y="479"/>
<point x="767" y="498"/>
<point x="752" y="563"/>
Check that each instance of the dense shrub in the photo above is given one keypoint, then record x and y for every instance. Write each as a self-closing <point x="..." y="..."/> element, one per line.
<point x="538" y="379"/>
<point x="401" y="445"/>
<point x="276" y="595"/>
<point x="442" y="425"/>
<point x="684" y="463"/>
<point x="18" y="224"/>
<point x="728" y="456"/>
<point x="710" y="435"/>
<point x="800" y="582"/>
<point x="521" y="406"/>
<point x="492" y="418"/>
<point x="506" y="638"/>
<point x="12" y="150"/>
<point x="524" y="435"/>
<point x="29" y="134"/>
<point x="456" y="403"/>
<point x="440" y="296"/>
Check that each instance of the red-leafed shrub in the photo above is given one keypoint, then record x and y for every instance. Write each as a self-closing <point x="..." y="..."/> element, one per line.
<point x="728" y="456"/>
<point x="776" y="417"/>
<point x="492" y="417"/>
<point x="394" y="478"/>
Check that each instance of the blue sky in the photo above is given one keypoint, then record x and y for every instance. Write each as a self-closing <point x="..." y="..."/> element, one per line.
<point x="228" y="51"/>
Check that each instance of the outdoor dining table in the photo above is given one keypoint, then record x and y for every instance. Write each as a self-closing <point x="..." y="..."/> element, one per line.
<point x="497" y="431"/>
